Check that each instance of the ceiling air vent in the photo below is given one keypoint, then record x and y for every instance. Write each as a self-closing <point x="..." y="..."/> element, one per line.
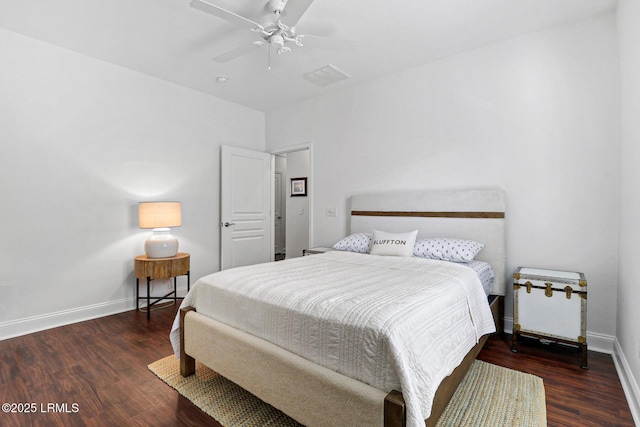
<point x="326" y="75"/>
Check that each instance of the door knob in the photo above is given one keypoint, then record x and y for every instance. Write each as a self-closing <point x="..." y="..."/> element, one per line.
<point x="228" y="224"/>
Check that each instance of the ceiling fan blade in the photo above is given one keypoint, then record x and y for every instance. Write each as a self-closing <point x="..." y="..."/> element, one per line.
<point x="239" y="51"/>
<point x="208" y="7"/>
<point x="328" y="43"/>
<point x="293" y="11"/>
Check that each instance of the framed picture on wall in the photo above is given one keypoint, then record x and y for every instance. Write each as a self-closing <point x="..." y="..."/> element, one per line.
<point x="298" y="187"/>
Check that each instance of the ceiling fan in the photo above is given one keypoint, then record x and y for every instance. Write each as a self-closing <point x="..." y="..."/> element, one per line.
<point x="273" y="32"/>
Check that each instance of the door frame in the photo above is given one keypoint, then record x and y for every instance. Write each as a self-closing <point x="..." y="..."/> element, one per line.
<point x="310" y="183"/>
<point x="280" y="209"/>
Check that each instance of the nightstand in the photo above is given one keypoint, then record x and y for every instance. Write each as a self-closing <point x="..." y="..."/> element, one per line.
<point x="316" y="250"/>
<point x="160" y="268"/>
<point x="550" y="305"/>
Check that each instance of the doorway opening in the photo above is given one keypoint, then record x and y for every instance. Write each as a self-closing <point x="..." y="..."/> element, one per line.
<point x="292" y="219"/>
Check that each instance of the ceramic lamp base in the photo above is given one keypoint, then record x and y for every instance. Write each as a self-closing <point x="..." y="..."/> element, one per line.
<point x="161" y="244"/>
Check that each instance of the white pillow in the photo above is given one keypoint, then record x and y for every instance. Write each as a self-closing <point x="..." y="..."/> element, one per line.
<point x="359" y="242"/>
<point x="447" y="249"/>
<point x="393" y="244"/>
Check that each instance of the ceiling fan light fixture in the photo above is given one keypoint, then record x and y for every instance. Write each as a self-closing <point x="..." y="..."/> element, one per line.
<point x="277" y="40"/>
<point x="276" y="35"/>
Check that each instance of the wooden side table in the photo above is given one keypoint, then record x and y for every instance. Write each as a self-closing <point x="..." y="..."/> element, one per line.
<point x="160" y="268"/>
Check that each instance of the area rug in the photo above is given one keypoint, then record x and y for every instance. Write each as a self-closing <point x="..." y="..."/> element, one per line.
<point x="489" y="395"/>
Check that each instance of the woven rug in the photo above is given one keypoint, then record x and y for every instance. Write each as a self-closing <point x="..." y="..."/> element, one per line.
<point x="489" y="395"/>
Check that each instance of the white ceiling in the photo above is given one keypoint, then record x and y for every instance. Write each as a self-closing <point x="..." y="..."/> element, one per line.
<point x="170" y="40"/>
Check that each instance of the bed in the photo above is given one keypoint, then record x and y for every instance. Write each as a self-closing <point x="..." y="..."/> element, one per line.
<point x="251" y="343"/>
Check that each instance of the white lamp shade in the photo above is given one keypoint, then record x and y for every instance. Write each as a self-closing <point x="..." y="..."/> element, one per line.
<point x="160" y="216"/>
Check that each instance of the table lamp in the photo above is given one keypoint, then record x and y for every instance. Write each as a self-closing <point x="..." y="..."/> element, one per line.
<point x="160" y="216"/>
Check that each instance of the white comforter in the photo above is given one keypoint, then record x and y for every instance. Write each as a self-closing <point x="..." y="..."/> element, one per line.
<point x="391" y="322"/>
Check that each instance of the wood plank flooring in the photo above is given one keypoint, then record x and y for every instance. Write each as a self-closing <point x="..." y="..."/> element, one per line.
<point x="575" y="396"/>
<point x="95" y="373"/>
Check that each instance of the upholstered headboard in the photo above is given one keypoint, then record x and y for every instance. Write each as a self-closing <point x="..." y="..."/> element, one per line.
<point x="477" y="215"/>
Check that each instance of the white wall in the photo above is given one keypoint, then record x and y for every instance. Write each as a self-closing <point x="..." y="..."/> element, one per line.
<point x="297" y="207"/>
<point x="81" y="143"/>
<point x="536" y="115"/>
<point x="628" y="315"/>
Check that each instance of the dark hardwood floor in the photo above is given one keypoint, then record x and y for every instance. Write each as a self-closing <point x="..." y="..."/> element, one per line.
<point x="95" y="373"/>
<point x="575" y="396"/>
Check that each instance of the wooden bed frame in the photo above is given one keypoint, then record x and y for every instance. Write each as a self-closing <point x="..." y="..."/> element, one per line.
<point x="314" y="395"/>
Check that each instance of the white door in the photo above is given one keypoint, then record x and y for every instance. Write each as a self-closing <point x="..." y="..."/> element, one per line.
<point x="279" y="213"/>
<point x="245" y="206"/>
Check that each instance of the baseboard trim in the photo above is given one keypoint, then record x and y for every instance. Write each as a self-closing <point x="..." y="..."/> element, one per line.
<point x="600" y="342"/>
<point x="596" y="342"/>
<point x="629" y="383"/>
<point x="29" y="325"/>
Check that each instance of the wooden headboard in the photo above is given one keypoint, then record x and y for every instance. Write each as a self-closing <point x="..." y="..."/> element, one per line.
<point x="477" y="215"/>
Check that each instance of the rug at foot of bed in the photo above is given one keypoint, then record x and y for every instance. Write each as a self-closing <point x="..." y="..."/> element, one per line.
<point x="489" y="395"/>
